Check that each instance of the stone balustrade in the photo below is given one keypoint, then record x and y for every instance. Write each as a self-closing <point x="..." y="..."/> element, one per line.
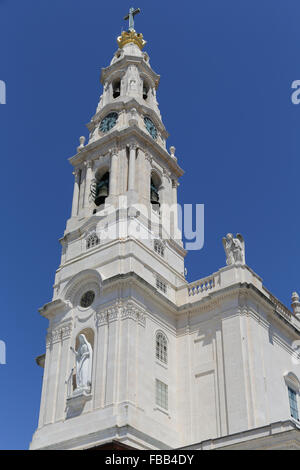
<point x="203" y="286"/>
<point x="280" y="308"/>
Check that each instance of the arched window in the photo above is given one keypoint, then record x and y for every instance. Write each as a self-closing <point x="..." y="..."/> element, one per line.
<point x="293" y="388"/>
<point x="116" y="86"/>
<point x="92" y="240"/>
<point x="161" y="347"/>
<point x="102" y="189"/>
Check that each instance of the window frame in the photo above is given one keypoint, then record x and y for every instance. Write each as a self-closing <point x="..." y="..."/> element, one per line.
<point x="293" y="388"/>
<point x="293" y="402"/>
<point x="161" y="285"/>
<point x="162" y="395"/>
<point x="161" y="350"/>
<point x="159" y="247"/>
<point x="92" y="236"/>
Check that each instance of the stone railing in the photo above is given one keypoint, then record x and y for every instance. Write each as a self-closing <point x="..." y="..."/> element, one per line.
<point x="279" y="306"/>
<point x="203" y="286"/>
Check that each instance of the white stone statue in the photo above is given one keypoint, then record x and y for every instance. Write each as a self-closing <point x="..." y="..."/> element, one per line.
<point x="84" y="358"/>
<point x="234" y="249"/>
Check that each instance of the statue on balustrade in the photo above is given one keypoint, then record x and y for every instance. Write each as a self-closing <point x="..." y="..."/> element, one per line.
<point x="234" y="249"/>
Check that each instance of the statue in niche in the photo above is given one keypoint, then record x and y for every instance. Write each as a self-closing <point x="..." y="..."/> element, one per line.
<point x="234" y="249"/>
<point x="84" y="358"/>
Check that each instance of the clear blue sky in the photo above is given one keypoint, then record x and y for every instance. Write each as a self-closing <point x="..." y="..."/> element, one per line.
<point x="226" y="71"/>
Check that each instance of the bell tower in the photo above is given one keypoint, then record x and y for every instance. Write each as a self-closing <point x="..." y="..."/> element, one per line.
<point x="121" y="266"/>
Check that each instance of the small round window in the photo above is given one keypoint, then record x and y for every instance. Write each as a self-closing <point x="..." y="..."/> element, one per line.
<point x="87" y="299"/>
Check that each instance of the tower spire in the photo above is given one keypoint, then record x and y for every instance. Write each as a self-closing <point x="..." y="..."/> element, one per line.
<point x="131" y="35"/>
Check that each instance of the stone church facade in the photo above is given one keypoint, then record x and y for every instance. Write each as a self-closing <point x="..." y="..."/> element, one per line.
<point x="137" y="357"/>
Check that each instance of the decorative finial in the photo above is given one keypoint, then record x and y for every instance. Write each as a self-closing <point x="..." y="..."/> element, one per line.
<point x="130" y="16"/>
<point x="296" y="304"/>
<point x="131" y="35"/>
<point x="82" y="141"/>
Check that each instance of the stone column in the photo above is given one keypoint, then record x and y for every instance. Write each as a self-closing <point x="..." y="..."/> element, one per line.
<point x="148" y="161"/>
<point x="64" y="371"/>
<point x="175" y="184"/>
<point x="88" y="179"/>
<point x="164" y="204"/>
<point x="76" y="173"/>
<point x="45" y="386"/>
<point x="54" y="348"/>
<point x="100" y="363"/>
<point x="113" y="179"/>
<point x="131" y="173"/>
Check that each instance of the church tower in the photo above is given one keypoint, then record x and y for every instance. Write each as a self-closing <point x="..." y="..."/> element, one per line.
<point x="122" y="258"/>
<point x="137" y="357"/>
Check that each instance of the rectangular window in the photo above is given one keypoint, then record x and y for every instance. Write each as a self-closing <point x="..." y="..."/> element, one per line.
<point x="293" y="403"/>
<point x="161" y="285"/>
<point x="161" y="397"/>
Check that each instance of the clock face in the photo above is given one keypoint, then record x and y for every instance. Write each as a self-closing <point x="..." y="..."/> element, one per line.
<point x="108" y="122"/>
<point x="150" y="127"/>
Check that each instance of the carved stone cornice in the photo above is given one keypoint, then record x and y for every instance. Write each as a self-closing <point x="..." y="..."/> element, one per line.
<point x="121" y="311"/>
<point x="58" y="334"/>
<point x="166" y="174"/>
<point x="108" y="315"/>
<point x="114" y="151"/>
<point x="89" y="163"/>
<point x="51" y="309"/>
<point x="136" y="313"/>
<point x="133" y="146"/>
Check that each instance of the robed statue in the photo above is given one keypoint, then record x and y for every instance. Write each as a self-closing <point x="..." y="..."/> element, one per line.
<point x="234" y="249"/>
<point x="84" y="358"/>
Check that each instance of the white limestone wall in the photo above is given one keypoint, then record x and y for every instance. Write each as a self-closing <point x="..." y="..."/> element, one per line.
<point x="232" y="360"/>
<point x="271" y="351"/>
<point x="124" y="372"/>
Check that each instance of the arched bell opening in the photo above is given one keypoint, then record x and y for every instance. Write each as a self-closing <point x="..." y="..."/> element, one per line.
<point x="116" y="88"/>
<point x="155" y="185"/>
<point x="146" y="89"/>
<point x="102" y="188"/>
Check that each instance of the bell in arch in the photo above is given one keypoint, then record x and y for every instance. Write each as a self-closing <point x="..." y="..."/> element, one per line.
<point x="154" y="195"/>
<point x="102" y="190"/>
<point x="116" y="89"/>
<point x="145" y="90"/>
